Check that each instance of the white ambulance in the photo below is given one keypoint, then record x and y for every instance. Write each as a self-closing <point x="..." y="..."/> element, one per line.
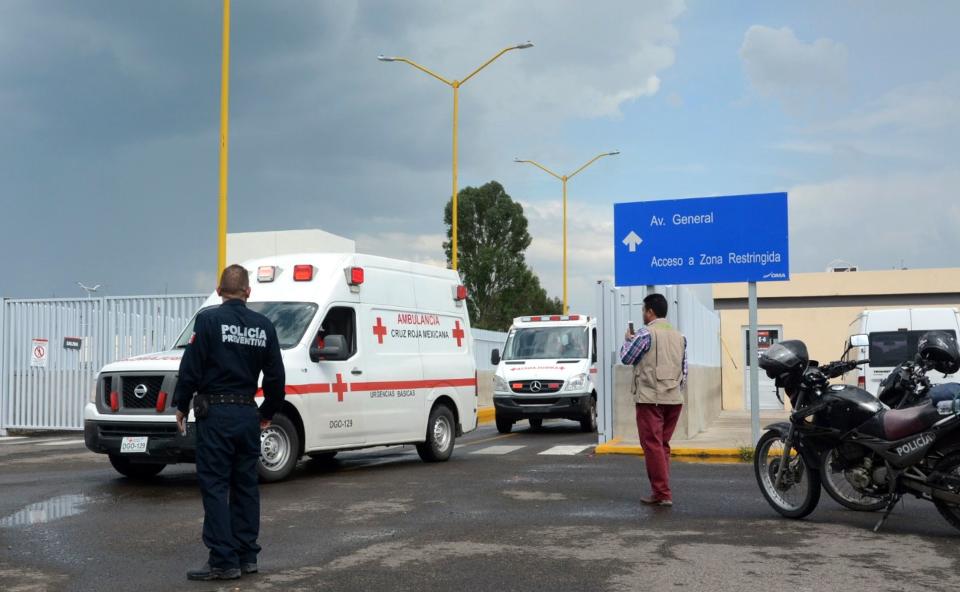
<point x="547" y="370"/>
<point x="376" y="351"/>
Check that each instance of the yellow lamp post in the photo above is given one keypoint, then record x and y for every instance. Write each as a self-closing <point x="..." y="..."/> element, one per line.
<point x="563" y="179"/>
<point x="224" y="129"/>
<point x="455" y="85"/>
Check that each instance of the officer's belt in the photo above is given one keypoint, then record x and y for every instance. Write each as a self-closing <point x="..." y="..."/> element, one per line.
<point x="231" y="400"/>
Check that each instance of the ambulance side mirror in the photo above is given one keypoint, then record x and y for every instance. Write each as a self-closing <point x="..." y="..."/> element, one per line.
<point x="495" y="357"/>
<point x="334" y="348"/>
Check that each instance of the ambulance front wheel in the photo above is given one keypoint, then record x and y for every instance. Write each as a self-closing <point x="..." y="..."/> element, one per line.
<point x="134" y="470"/>
<point x="279" y="449"/>
<point x="504" y="425"/>
<point x="588" y="423"/>
<point x="441" y="434"/>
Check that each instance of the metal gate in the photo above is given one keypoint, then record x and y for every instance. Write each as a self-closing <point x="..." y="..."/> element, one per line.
<point x="76" y="337"/>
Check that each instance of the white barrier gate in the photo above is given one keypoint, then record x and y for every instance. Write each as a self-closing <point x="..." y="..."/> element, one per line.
<point x="81" y="336"/>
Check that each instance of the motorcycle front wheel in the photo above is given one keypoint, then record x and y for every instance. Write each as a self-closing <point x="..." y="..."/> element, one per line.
<point x="799" y="490"/>
<point x="842" y="491"/>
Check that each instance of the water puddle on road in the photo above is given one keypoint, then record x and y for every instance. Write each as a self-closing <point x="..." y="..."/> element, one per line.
<point x="49" y="510"/>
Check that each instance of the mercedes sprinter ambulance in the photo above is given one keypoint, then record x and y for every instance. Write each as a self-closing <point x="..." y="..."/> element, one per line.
<point x="376" y="351"/>
<point x="547" y="370"/>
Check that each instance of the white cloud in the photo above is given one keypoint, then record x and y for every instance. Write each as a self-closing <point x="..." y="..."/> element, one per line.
<point x="780" y="65"/>
<point x="876" y="220"/>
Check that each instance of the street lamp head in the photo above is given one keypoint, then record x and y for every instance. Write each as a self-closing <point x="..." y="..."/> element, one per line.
<point x="614" y="153"/>
<point x="523" y="45"/>
<point x="384" y="58"/>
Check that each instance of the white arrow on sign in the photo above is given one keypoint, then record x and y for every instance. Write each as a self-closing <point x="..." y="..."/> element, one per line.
<point x="632" y="241"/>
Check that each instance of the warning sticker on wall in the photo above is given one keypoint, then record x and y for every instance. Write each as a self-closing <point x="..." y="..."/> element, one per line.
<point x="39" y="352"/>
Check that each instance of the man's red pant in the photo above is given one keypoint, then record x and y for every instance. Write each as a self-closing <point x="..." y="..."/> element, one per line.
<point x="656" y="423"/>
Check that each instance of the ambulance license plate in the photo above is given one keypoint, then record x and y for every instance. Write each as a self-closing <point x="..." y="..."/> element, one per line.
<point x="133" y="444"/>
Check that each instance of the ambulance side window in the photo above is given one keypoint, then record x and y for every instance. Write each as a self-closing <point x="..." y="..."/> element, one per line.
<point x="341" y="320"/>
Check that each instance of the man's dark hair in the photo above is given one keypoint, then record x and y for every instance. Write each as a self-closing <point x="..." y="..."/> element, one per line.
<point x="234" y="281"/>
<point x="657" y="303"/>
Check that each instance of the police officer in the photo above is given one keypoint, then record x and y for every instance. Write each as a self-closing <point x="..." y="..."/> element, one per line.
<point x="231" y="345"/>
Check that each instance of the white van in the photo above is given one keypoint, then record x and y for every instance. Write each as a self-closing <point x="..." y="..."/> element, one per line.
<point x="376" y="351"/>
<point x="893" y="335"/>
<point x="547" y="370"/>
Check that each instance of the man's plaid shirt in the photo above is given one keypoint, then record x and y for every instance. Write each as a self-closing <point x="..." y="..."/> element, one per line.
<point x="634" y="349"/>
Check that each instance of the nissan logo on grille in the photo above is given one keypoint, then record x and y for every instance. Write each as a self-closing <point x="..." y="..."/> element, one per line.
<point x="535" y="386"/>
<point x="140" y="391"/>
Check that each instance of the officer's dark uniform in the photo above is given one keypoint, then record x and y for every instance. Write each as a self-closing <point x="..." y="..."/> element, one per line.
<point x="231" y="345"/>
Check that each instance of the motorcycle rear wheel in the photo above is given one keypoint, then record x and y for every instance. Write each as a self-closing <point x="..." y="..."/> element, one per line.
<point x="843" y="492"/>
<point x="799" y="494"/>
<point x="951" y="512"/>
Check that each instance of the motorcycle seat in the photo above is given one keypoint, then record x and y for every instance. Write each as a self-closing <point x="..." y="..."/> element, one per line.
<point x="900" y="423"/>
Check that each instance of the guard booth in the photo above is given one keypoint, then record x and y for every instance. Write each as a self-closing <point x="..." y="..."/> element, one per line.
<point x="701" y="326"/>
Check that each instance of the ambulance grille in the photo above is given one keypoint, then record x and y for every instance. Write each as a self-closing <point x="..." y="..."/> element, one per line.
<point x="148" y="400"/>
<point x="536" y="386"/>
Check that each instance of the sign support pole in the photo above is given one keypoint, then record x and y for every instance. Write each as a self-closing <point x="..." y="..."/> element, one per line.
<point x="754" y="366"/>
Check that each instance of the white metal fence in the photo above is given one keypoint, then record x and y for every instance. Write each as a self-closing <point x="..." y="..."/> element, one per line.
<point x="49" y="391"/>
<point x="50" y="395"/>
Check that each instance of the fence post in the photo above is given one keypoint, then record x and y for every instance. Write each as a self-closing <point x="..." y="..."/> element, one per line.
<point x="3" y="367"/>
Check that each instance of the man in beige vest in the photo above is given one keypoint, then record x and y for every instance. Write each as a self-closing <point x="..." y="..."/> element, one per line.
<point x="658" y="354"/>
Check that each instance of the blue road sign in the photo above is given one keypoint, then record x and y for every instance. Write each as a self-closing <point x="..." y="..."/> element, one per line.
<point x="738" y="238"/>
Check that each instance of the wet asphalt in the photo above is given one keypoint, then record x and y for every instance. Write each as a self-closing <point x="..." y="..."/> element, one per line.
<point x="498" y="516"/>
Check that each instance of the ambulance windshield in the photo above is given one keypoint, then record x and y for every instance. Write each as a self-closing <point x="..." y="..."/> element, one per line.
<point x="541" y="343"/>
<point x="290" y="318"/>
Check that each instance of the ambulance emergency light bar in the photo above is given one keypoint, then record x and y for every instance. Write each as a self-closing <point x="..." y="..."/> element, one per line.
<point x="551" y="318"/>
<point x="268" y="273"/>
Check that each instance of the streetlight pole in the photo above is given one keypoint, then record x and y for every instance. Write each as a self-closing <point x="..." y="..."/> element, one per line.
<point x="224" y="136"/>
<point x="455" y="85"/>
<point x="563" y="180"/>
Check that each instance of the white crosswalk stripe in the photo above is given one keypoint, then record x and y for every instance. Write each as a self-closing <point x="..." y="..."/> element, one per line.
<point x="501" y="449"/>
<point x="4" y="439"/>
<point x="567" y="450"/>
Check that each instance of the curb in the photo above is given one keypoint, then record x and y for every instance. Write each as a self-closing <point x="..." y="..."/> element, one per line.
<point x="615" y="447"/>
<point x="485" y="414"/>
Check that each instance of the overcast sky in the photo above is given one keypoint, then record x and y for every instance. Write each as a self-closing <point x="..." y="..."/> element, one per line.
<point x="109" y="115"/>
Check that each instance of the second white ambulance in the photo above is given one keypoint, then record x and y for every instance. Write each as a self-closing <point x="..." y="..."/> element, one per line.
<point x="376" y="351"/>
<point x="547" y="370"/>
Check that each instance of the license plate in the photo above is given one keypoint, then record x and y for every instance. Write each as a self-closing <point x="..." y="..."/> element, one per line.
<point x="132" y="444"/>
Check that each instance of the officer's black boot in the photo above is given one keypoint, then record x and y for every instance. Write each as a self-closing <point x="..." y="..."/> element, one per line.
<point x="207" y="573"/>
<point x="249" y="568"/>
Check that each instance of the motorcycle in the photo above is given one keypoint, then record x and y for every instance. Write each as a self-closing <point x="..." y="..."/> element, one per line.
<point x="884" y="453"/>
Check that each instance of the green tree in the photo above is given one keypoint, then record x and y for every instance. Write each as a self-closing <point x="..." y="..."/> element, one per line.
<point x="492" y="238"/>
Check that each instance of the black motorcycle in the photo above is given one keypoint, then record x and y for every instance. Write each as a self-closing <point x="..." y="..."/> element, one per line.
<point x="883" y="453"/>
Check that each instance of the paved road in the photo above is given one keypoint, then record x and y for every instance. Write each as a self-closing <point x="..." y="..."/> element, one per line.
<point x="506" y="513"/>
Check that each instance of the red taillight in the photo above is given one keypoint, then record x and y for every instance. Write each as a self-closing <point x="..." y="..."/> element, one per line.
<point x="355" y="276"/>
<point x="862" y="382"/>
<point x="114" y="401"/>
<point x="302" y="273"/>
<point x="461" y="293"/>
<point x="161" y="402"/>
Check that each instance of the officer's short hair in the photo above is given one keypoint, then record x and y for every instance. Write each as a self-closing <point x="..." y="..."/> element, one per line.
<point x="234" y="280"/>
<point x="657" y="303"/>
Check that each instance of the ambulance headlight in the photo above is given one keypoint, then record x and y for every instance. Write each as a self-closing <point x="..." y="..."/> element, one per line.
<point x="500" y="385"/>
<point x="577" y="383"/>
<point x="93" y="391"/>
